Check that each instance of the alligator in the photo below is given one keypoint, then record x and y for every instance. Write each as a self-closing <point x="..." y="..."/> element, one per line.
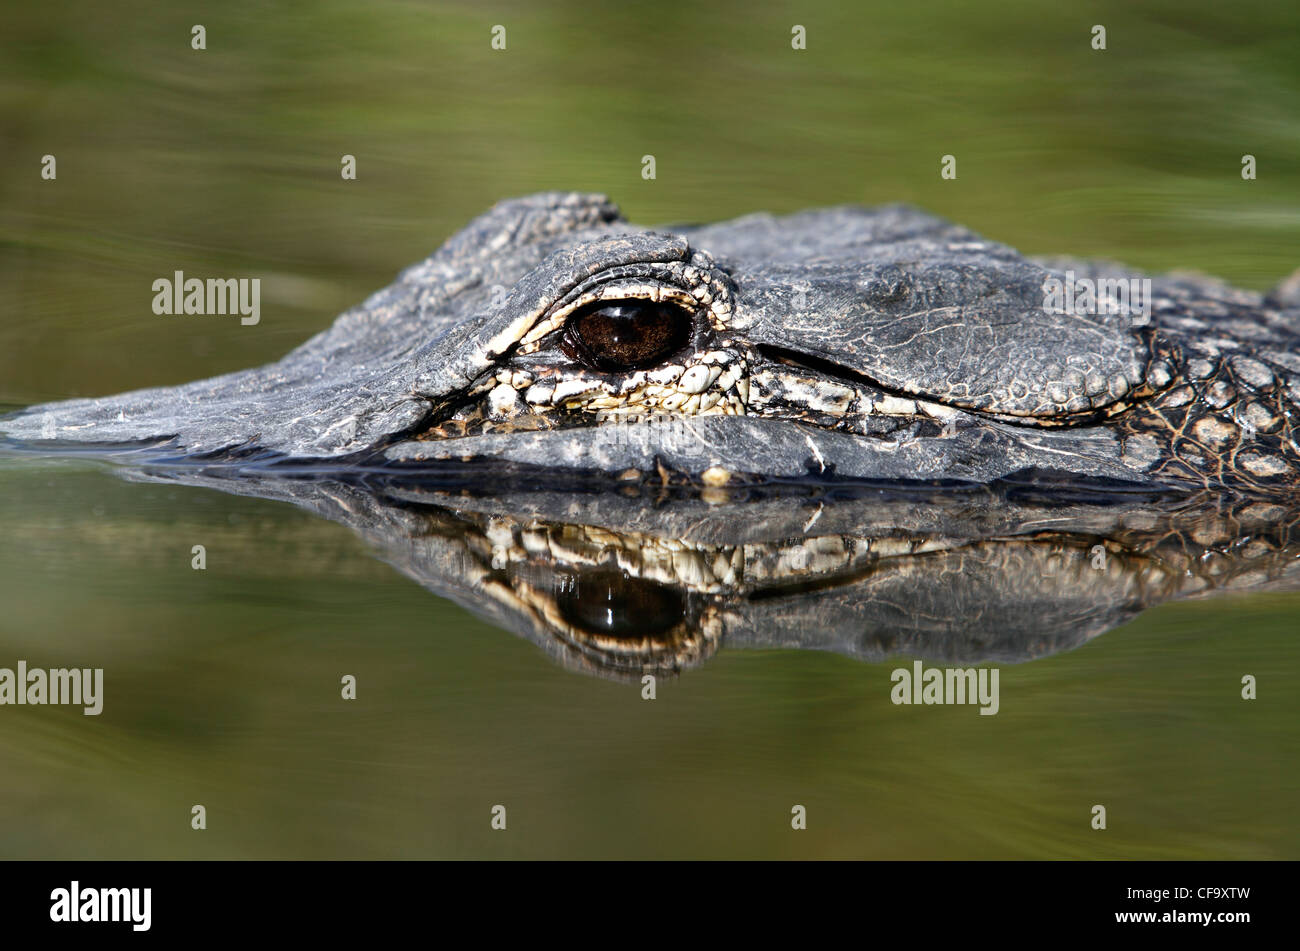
<point x="552" y="340"/>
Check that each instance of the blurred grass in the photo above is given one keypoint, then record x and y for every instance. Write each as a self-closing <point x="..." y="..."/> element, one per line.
<point x="222" y="686"/>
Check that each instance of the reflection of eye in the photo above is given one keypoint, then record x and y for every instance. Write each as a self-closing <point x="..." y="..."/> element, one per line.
<point x="613" y="604"/>
<point x="626" y="335"/>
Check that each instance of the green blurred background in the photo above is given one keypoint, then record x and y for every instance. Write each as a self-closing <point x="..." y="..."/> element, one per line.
<point x="222" y="685"/>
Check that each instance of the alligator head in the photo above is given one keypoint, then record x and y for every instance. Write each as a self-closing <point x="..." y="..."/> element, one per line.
<point x="843" y="344"/>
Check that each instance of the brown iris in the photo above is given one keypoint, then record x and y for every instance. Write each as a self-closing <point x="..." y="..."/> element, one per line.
<point x="625" y="335"/>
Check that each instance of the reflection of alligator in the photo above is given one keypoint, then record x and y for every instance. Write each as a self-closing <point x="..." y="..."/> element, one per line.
<point x="611" y="584"/>
<point x="856" y="344"/>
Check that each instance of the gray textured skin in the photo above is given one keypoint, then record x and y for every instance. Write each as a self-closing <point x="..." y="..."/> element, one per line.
<point x="865" y="309"/>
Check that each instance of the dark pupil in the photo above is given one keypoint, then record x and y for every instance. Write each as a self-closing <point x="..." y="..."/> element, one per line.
<point x="617" y="605"/>
<point x="629" y="335"/>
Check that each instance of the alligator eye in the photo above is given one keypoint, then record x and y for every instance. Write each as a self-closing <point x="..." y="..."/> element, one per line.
<point x="612" y="604"/>
<point x="626" y="335"/>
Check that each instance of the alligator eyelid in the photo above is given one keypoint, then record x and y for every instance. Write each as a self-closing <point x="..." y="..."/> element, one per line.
<point x="615" y="291"/>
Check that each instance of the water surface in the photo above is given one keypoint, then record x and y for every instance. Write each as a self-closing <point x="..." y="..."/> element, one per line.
<point x="222" y="686"/>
